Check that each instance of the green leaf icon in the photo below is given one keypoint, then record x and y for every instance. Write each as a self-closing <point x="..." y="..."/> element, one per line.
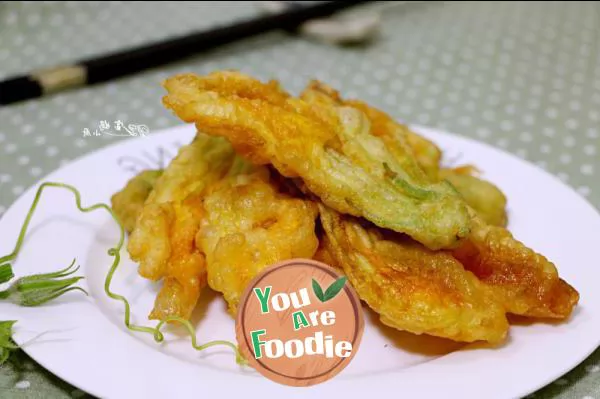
<point x="331" y="292"/>
<point x="335" y="288"/>
<point x="318" y="290"/>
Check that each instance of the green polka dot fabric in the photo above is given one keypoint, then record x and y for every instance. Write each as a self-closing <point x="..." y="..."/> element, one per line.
<point x="522" y="76"/>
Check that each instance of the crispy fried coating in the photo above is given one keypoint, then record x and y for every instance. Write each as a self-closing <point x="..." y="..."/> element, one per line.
<point x="427" y="153"/>
<point x="481" y="195"/>
<point x="326" y="253"/>
<point x="328" y="145"/>
<point x="411" y="287"/>
<point x="128" y="203"/>
<point x="393" y="133"/>
<point x="163" y="240"/>
<point x="484" y="197"/>
<point x="526" y="282"/>
<point x="249" y="225"/>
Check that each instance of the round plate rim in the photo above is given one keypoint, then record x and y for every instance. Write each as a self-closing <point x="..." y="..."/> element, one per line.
<point x="412" y="378"/>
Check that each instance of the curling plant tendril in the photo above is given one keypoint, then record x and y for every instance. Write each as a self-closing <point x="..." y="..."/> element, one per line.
<point x="37" y="289"/>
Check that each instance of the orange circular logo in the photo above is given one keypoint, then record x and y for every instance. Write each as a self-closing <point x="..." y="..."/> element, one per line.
<point x="299" y="322"/>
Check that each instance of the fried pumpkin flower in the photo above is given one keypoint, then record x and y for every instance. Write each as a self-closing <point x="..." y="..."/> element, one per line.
<point x="484" y="197"/>
<point x="391" y="132"/>
<point x="163" y="239"/>
<point x="411" y="287"/>
<point x="481" y="195"/>
<point x="239" y="224"/>
<point x="248" y="226"/>
<point x="526" y="282"/>
<point x="329" y="146"/>
<point x="129" y="202"/>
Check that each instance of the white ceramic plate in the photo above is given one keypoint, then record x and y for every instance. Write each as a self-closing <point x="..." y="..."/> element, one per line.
<point x="87" y="344"/>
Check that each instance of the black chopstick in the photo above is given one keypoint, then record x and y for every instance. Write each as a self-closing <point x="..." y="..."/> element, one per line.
<point x="104" y="68"/>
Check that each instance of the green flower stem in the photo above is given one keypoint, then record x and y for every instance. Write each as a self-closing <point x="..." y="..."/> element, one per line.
<point x="188" y="326"/>
<point x="25" y="225"/>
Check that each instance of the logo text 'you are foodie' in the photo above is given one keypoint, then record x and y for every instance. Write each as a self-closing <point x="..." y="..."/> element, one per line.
<point x="299" y="322"/>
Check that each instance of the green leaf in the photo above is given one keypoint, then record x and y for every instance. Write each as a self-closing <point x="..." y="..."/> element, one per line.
<point x="318" y="290"/>
<point x="6" y="327"/>
<point x="6" y="333"/>
<point x="6" y="273"/>
<point x="4" y="354"/>
<point x="7" y="346"/>
<point x="334" y="288"/>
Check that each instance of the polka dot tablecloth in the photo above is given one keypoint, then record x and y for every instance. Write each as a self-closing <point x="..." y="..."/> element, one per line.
<point x="524" y="77"/>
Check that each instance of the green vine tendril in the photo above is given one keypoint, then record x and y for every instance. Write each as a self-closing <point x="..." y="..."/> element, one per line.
<point x="115" y="253"/>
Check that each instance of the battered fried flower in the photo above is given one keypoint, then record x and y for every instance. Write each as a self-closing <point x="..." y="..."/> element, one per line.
<point x="484" y="197"/>
<point x="330" y="146"/>
<point x="393" y="134"/>
<point x="248" y="226"/>
<point x="526" y="282"/>
<point x="413" y="288"/>
<point x="326" y="252"/>
<point x="481" y="195"/>
<point x="128" y="202"/>
<point x="163" y="240"/>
